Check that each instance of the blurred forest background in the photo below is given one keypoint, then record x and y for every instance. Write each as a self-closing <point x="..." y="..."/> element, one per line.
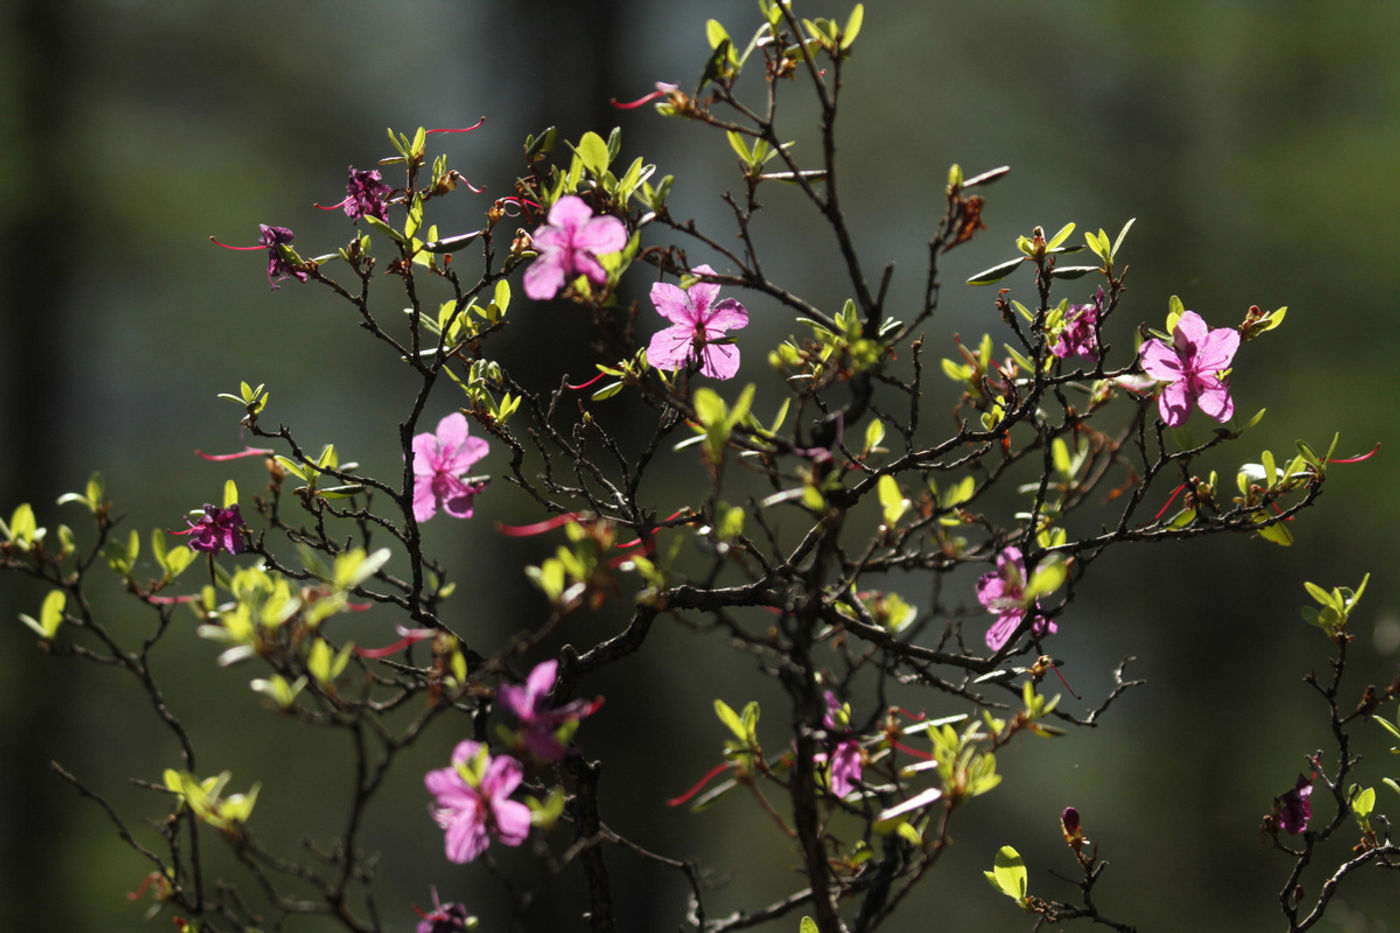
<point x="1255" y="144"/>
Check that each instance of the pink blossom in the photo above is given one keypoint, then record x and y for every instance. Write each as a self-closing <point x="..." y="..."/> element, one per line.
<point x="1078" y="334"/>
<point x="1191" y="366"/>
<point x="539" y="723"/>
<point x="698" y="326"/>
<point x="439" y="460"/>
<point x="473" y="801"/>
<point x="1295" y="806"/>
<point x="845" y="770"/>
<point x="1002" y="592"/>
<point x="569" y="246"/>
<point x="217" y="530"/>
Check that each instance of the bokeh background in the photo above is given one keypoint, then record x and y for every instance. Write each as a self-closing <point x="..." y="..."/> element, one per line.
<point x="1254" y="143"/>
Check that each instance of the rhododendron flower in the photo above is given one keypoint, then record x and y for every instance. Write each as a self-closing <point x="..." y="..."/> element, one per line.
<point x="218" y="530"/>
<point x="1002" y="592"/>
<point x="445" y="918"/>
<point x="1295" y="807"/>
<point x="698" y="324"/>
<point x="278" y="266"/>
<point x="845" y="769"/>
<point x="539" y="724"/>
<point x="473" y="801"/>
<point x="569" y="245"/>
<point x="439" y="460"/>
<point x="1191" y="365"/>
<point x="366" y="195"/>
<point x="1077" y="336"/>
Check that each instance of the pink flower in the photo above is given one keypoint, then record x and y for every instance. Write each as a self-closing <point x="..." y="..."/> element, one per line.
<point x="698" y="326"/>
<point x="845" y="771"/>
<point x="439" y="460"/>
<point x="366" y="195"/>
<point x="1191" y="365"/>
<point x="218" y="530"/>
<point x="1077" y="336"/>
<point x="1002" y="592"/>
<point x="473" y="801"/>
<point x="569" y="246"/>
<point x="539" y="724"/>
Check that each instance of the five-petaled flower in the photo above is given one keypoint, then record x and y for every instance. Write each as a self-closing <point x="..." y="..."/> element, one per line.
<point x="569" y="245"/>
<point x="217" y="530"/>
<point x="439" y="460"/>
<point x="1191" y="366"/>
<point x="697" y="328"/>
<point x="845" y="769"/>
<point x="1002" y="592"/>
<point x="366" y="195"/>
<point x="473" y="801"/>
<point x="540" y="724"/>
<point x="445" y="918"/>
<point x="1295" y="807"/>
<point x="1078" y="334"/>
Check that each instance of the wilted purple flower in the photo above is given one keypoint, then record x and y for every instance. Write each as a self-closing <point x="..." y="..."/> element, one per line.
<point x="278" y="267"/>
<point x="698" y="324"/>
<point x="1077" y="335"/>
<point x="1191" y="365"/>
<point x="473" y="801"/>
<point x="845" y="770"/>
<point x="439" y="460"/>
<point x="1002" y="592"/>
<point x="569" y="245"/>
<point x="444" y="918"/>
<point x="366" y="194"/>
<point x="1295" y="806"/>
<point x="539" y="724"/>
<point x="218" y="530"/>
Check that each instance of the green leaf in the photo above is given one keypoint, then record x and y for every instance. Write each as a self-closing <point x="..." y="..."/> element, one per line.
<point x="715" y="33"/>
<point x="1073" y="272"/>
<point x="892" y="501"/>
<point x="853" y="24"/>
<point x="995" y="273"/>
<point x="874" y="434"/>
<point x="731" y="719"/>
<point x="50" y="615"/>
<point x="808" y="925"/>
<point x="230" y="493"/>
<point x="1363" y="803"/>
<point x="1121" y="234"/>
<point x="736" y="142"/>
<point x="594" y="153"/>
<point x="1175" y="309"/>
<point x="1008" y="874"/>
<point x="1060" y="237"/>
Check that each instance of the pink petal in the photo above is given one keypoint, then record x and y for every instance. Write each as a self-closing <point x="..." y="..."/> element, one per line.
<point x="426" y="454"/>
<point x="585" y="263"/>
<point x="545" y="277"/>
<point x="550" y="239"/>
<point x="471" y="450"/>
<point x="502" y="777"/>
<point x="541" y="679"/>
<point x="512" y="821"/>
<point x="1217" y="351"/>
<point x="466" y="837"/>
<point x="721" y="361"/>
<point x="670" y="348"/>
<point x="1213" y="396"/>
<point x="1191" y="328"/>
<point x="459" y="499"/>
<point x="569" y="213"/>
<point x="1002" y="629"/>
<point x="702" y="296"/>
<point x="451" y="434"/>
<point x="605" y="234"/>
<point x="445" y="784"/>
<point x="727" y="315"/>
<point x="1160" y="360"/>
<point x="673" y="304"/>
<point x="1174" y="405"/>
<point x="424" y="501"/>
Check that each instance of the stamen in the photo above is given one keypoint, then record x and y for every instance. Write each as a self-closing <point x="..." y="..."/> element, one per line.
<point x="1358" y="459"/>
<point x="663" y="89"/>
<point x="926" y="756"/>
<point x="246" y="452"/>
<point x="410" y="636"/>
<point x="1063" y="681"/>
<point x="1163" y="510"/>
<point x="465" y="129"/>
<point x="538" y="528"/>
<point x="700" y="785"/>
<point x="239" y="248"/>
<point x="171" y="600"/>
<point x="581" y="386"/>
<point x="332" y="207"/>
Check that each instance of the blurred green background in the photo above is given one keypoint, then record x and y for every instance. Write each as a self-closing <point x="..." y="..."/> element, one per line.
<point x="1254" y="143"/>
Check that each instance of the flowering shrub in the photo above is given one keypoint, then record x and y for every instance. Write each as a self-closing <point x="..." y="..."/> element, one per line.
<point x="828" y="531"/>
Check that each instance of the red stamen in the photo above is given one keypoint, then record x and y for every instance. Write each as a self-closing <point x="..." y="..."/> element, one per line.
<point x="709" y="776"/>
<point x="538" y="528"/>
<point x="1065" y="682"/>
<point x="1162" y="511"/>
<point x="580" y="387"/>
<point x="239" y="248"/>
<point x="465" y="129"/>
<point x="926" y="756"/>
<point x="170" y="600"/>
<point x="634" y="104"/>
<point x="1367" y="456"/>
<point x="410" y="636"/>
<point x="332" y="207"/>
<point x="145" y="883"/>
<point x="246" y="452"/>
<point x="910" y="715"/>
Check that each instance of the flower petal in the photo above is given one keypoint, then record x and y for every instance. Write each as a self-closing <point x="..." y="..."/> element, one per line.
<point x="1213" y="397"/>
<point x="545" y="277"/>
<point x="570" y="213"/>
<point x="603" y="234"/>
<point x="424" y="500"/>
<point x="670" y="349"/>
<point x="673" y="304"/>
<point x="1160" y="360"/>
<point x="1218" y="350"/>
<point x="512" y="821"/>
<point x="721" y="360"/>
<point x="727" y="315"/>
<point x="1174" y="405"/>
